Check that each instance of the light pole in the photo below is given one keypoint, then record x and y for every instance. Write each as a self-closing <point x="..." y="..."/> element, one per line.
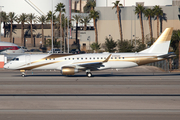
<point x="68" y="32"/>
<point x="64" y="33"/>
<point x="89" y="41"/>
<point x="52" y="28"/>
<point x="0" y="21"/>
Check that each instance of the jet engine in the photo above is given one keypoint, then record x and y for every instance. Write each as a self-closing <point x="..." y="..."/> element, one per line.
<point x="69" y="70"/>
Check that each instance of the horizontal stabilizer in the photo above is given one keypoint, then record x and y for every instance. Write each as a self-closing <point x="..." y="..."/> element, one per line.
<point x="170" y="55"/>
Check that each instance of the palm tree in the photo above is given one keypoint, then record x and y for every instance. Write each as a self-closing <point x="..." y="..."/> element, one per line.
<point x="49" y="18"/>
<point x="149" y="14"/>
<point x="63" y="26"/>
<point x="12" y="17"/>
<point x="110" y="44"/>
<point x="31" y="18"/>
<point x="22" y="19"/>
<point x="95" y="15"/>
<point x="178" y="36"/>
<point x="4" y="19"/>
<point x="179" y="47"/>
<point x="60" y="7"/>
<point x="77" y="19"/>
<point x="117" y="6"/>
<point x="92" y="4"/>
<point x="95" y="46"/>
<point x="157" y="12"/>
<point x="139" y="10"/>
<point x="85" y="20"/>
<point x="89" y="6"/>
<point x="162" y="18"/>
<point x="69" y="24"/>
<point x="42" y="19"/>
<point x="175" y="44"/>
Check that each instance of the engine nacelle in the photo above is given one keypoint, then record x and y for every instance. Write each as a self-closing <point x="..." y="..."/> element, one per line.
<point x="69" y="70"/>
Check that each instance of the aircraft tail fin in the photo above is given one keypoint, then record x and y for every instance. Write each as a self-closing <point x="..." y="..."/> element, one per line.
<point x="161" y="45"/>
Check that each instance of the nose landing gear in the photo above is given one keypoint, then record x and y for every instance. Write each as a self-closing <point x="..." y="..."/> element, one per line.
<point x="23" y="73"/>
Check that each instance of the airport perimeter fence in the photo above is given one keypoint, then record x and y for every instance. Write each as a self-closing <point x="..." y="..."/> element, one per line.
<point x="166" y="65"/>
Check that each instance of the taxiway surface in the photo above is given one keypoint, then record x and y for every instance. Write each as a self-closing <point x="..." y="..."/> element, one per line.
<point x="137" y="93"/>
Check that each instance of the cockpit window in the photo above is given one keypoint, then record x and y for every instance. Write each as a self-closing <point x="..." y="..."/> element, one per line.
<point x="15" y="59"/>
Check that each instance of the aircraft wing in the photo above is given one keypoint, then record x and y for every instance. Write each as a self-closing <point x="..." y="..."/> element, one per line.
<point x="93" y="64"/>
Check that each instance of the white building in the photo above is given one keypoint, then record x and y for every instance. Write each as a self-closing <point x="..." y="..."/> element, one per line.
<point x="108" y="3"/>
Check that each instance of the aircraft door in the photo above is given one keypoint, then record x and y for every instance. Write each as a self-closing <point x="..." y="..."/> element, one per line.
<point x="28" y="59"/>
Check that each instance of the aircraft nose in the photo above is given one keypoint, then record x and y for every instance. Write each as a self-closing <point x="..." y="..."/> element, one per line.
<point x="6" y="66"/>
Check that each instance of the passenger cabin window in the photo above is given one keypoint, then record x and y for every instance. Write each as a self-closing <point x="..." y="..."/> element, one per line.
<point x="69" y="58"/>
<point x="77" y="58"/>
<point x="73" y="58"/>
<point x="119" y="57"/>
<point x="65" y="58"/>
<point x="111" y="57"/>
<point x="81" y="58"/>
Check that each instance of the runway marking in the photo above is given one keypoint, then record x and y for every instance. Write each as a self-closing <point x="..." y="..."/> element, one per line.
<point x="90" y="95"/>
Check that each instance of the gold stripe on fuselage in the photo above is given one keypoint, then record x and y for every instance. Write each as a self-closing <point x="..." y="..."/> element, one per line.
<point x="52" y="56"/>
<point x="140" y="60"/>
<point x="36" y="66"/>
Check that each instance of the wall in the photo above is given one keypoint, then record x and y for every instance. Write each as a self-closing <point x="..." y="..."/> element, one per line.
<point x="85" y="40"/>
<point x="107" y="24"/>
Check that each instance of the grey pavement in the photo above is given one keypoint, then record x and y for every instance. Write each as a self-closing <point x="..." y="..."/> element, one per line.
<point x="139" y="93"/>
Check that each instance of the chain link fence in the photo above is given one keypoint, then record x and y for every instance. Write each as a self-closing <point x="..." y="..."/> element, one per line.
<point x="167" y="65"/>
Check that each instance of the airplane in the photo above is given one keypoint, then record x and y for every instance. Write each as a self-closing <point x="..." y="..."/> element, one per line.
<point x="69" y="64"/>
<point x="10" y="48"/>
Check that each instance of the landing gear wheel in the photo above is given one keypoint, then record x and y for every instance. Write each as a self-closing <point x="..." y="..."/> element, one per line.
<point x="89" y="74"/>
<point x="23" y="75"/>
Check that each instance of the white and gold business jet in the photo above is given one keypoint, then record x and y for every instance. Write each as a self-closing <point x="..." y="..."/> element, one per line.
<point x="69" y="64"/>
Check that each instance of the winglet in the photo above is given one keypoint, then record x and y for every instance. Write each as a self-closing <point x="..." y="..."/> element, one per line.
<point x="106" y="60"/>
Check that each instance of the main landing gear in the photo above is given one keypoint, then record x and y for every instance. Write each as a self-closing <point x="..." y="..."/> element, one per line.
<point x="23" y="73"/>
<point x="88" y="73"/>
